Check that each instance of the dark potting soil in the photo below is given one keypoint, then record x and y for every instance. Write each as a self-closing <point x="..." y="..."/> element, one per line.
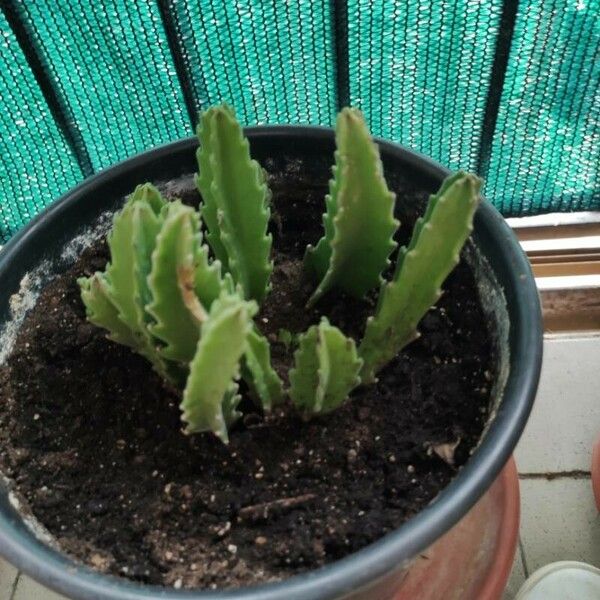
<point x="92" y="439"/>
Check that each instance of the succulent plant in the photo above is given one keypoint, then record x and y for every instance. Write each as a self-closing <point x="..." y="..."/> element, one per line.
<point x="163" y="296"/>
<point x="189" y="309"/>
<point x="421" y="268"/>
<point x="235" y="201"/>
<point x="326" y="369"/>
<point x="359" y="223"/>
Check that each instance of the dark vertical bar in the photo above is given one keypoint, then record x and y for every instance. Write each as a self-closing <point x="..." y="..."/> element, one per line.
<point x="340" y="38"/>
<point x="57" y="104"/>
<point x="502" y="52"/>
<point x="181" y="67"/>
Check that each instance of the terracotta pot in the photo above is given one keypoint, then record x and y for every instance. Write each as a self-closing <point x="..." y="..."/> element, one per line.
<point x="468" y="560"/>
<point x="482" y="546"/>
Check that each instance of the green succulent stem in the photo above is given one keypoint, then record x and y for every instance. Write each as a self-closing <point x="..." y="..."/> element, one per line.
<point x="421" y="268"/>
<point x="174" y="325"/>
<point x="326" y="368"/>
<point x="210" y="397"/>
<point x="258" y="372"/>
<point x="359" y="222"/>
<point x="235" y="201"/>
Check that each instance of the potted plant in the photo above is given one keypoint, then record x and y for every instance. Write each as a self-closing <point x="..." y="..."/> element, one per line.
<point x="323" y="443"/>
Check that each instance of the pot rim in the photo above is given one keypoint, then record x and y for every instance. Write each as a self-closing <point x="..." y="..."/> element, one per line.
<point x="373" y="562"/>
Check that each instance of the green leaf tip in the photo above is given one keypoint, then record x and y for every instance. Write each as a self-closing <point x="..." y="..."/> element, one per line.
<point x="326" y="369"/>
<point x="149" y="195"/>
<point x="421" y="269"/>
<point x="236" y="201"/>
<point x="210" y="397"/>
<point x="359" y="220"/>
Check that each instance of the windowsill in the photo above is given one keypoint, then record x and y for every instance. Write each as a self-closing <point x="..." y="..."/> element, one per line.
<point x="564" y="250"/>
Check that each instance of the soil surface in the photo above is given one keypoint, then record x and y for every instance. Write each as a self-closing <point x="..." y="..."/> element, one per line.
<point x="92" y="439"/>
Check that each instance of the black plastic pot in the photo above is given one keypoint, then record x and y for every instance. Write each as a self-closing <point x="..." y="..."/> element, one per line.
<point x="369" y="572"/>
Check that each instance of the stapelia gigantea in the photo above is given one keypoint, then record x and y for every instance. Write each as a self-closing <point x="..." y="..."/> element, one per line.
<point x="210" y="398"/>
<point x="359" y="220"/>
<point x="421" y="268"/>
<point x="235" y="200"/>
<point x="156" y="296"/>
<point x="164" y="296"/>
<point x="326" y="368"/>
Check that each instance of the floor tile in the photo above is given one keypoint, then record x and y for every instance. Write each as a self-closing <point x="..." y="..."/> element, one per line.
<point x="559" y="521"/>
<point x="28" y="589"/>
<point x="565" y="419"/>
<point x="8" y="574"/>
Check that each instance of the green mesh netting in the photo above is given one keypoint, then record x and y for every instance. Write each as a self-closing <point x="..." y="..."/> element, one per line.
<point x="508" y="89"/>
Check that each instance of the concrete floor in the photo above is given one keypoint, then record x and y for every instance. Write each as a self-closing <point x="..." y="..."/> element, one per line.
<point x="559" y="520"/>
